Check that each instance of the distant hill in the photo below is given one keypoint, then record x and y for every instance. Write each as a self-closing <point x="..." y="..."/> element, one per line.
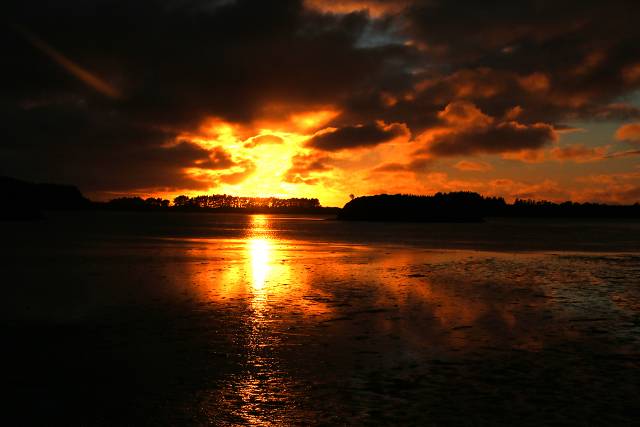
<point x="471" y="207"/>
<point x="26" y="200"/>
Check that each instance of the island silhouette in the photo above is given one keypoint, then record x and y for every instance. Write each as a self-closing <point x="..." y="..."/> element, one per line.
<point x="23" y="200"/>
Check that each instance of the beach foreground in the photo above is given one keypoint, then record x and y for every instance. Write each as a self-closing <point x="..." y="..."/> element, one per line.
<point x="280" y="320"/>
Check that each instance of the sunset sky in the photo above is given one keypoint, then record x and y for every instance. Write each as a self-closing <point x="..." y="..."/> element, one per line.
<point x="530" y="99"/>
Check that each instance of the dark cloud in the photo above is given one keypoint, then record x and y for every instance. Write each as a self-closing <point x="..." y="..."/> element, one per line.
<point x="100" y="151"/>
<point x="557" y="62"/>
<point x="173" y="64"/>
<point x="217" y="158"/>
<point x="176" y="62"/>
<point x="501" y="138"/>
<point x="417" y="165"/>
<point x="304" y="165"/>
<point x="584" y="54"/>
<point x="620" y="111"/>
<point x="528" y="66"/>
<point x="357" y="136"/>
<point x="465" y="129"/>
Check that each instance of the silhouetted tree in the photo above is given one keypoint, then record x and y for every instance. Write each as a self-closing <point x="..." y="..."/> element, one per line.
<point x="180" y="201"/>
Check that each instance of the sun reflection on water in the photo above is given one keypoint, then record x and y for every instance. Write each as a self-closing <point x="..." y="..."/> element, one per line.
<point x="296" y="299"/>
<point x="264" y="383"/>
<point x="259" y="250"/>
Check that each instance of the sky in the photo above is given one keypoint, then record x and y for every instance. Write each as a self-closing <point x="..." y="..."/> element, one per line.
<point x="318" y="98"/>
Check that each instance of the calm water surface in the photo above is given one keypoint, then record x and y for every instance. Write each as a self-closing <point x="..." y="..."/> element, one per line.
<point x="284" y="320"/>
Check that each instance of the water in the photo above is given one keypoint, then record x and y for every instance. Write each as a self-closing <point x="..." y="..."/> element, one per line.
<point x="285" y="320"/>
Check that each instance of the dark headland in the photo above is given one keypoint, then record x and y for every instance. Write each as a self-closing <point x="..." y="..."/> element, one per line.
<point x="22" y="200"/>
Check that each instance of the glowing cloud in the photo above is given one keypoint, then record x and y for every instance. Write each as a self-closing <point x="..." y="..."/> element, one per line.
<point x="375" y="8"/>
<point x="629" y="133"/>
<point x="473" y="166"/>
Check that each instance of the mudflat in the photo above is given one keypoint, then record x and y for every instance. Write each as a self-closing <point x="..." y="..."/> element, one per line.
<point x="287" y="320"/>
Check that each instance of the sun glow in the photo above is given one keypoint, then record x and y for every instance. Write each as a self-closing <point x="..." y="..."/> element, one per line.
<point x="259" y="251"/>
<point x="259" y="248"/>
<point x="271" y="164"/>
<point x="261" y="157"/>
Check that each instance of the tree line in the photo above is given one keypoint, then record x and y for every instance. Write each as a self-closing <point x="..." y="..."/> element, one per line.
<point x="25" y="200"/>
<point x="217" y="202"/>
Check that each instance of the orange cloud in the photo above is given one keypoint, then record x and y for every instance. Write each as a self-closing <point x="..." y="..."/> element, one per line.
<point x="619" y="154"/>
<point x="612" y="178"/>
<point x="578" y="153"/>
<point x="535" y="82"/>
<point x="263" y="139"/>
<point x="473" y="166"/>
<point x="373" y="7"/>
<point x="513" y="113"/>
<point x="631" y="74"/>
<point x="273" y="118"/>
<point x="429" y="183"/>
<point x="479" y="83"/>
<point x="545" y="190"/>
<point x="525" y="156"/>
<point x="629" y="133"/>
<point x="590" y="62"/>
<point x="313" y="119"/>
<point x="464" y="114"/>
<point x="621" y="188"/>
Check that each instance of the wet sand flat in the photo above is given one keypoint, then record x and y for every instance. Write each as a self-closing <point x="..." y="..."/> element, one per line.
<point x="264" y="320"/>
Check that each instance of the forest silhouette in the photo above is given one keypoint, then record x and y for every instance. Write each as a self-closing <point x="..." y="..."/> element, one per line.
<point x="217" y="203"/>
<point x="464" y="206"/>
<point x="26" y="200"/>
